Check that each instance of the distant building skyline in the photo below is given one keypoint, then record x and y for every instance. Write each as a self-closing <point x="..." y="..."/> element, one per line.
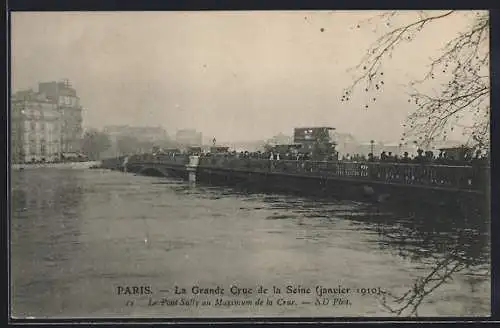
<point x="143" y="133"/>
<point x="119" y="134"/>
<point x="346" y="143"/>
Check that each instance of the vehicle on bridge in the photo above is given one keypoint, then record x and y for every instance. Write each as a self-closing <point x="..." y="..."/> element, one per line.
<point x="457" y="153"/>
<point x="219" y="150"/>
<point x="318" y="142"/>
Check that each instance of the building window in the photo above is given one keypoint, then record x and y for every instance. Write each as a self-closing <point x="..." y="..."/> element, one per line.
<point x="32" y="148"/>
<point x="32" y="138"/>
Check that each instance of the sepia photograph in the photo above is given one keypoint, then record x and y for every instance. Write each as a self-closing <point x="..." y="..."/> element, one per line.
<point x="250" y="164"/>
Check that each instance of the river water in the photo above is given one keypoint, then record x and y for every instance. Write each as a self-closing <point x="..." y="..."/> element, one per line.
<point x="78" y="235"/>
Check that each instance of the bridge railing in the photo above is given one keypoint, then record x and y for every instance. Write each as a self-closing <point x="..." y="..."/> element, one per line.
<point x="463" y="177"/>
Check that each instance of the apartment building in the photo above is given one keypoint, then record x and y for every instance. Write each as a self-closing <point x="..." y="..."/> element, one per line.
<point x="68" y="103"/>
<point x="45" y="123"/>
<point x="35" y="127"/>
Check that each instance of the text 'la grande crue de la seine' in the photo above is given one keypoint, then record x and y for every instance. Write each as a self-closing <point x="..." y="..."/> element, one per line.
<point x="237" y="296"/>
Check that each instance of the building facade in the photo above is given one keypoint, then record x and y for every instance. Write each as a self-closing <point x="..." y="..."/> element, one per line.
<point x="142" y="133"/>
<point x="68" y="103"/>
<point x="279" y="139"/>
<point x="45" y="123"/>
<point x="35" y="128"/>
<point x="139" y="138"/>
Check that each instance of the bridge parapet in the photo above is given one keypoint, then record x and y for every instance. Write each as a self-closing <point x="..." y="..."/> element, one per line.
<point x="475" y="177"/>
<point x="460" y="177"/>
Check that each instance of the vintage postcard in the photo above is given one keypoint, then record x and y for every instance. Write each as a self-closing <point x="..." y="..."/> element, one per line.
<point x="250" y="164"/>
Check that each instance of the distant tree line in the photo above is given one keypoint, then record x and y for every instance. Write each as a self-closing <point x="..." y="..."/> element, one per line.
<point x="95" y="144"/>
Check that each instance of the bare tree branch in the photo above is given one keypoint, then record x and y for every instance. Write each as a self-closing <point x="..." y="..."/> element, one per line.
<point x="408" y="303"/>
<point x="464" y="63"/>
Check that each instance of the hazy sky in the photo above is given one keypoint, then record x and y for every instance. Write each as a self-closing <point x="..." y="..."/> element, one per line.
<point x="233" y="75"/>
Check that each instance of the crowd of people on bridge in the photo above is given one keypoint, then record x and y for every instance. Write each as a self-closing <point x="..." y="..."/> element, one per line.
<point x="421" y="157"/>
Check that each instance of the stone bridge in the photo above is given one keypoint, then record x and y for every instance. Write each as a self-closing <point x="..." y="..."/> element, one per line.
<point x="406" y="182"/>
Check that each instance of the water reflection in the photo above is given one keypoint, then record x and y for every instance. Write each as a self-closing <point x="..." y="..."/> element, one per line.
<point x="417" y="236"/>
<point x="420" y="238"/>
<point x="44" y="232"/>
<point x="442" y="244"/>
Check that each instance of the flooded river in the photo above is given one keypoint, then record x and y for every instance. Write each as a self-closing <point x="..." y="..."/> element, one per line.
<point x="81" y="240"/>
